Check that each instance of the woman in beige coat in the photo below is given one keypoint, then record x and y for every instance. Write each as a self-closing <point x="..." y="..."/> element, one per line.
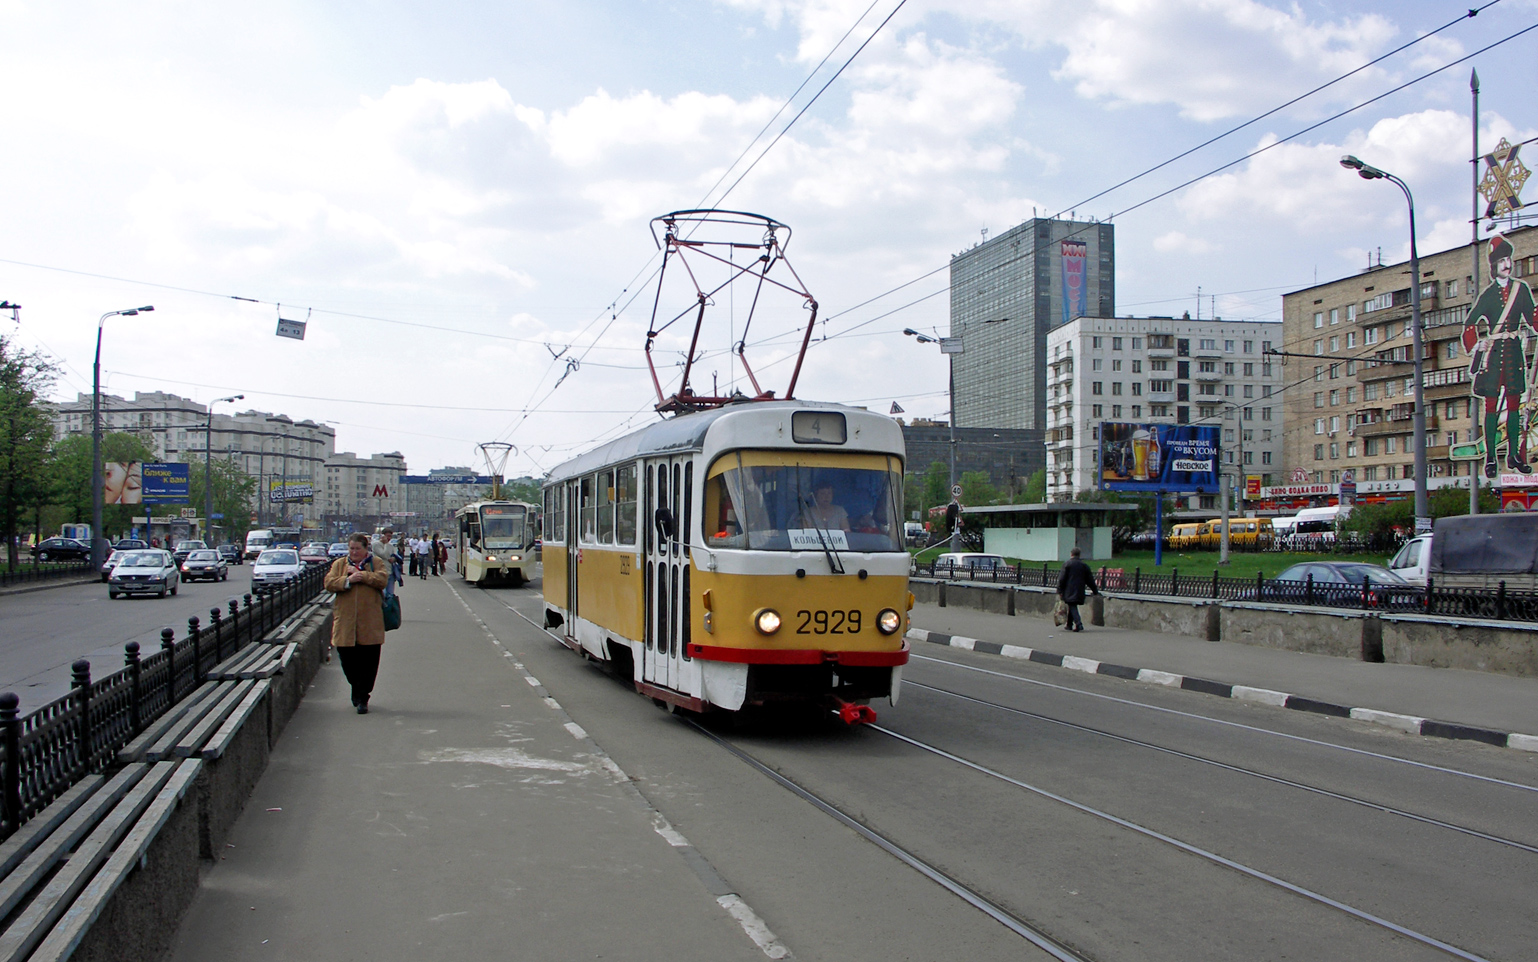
<point x="357" y="616"/>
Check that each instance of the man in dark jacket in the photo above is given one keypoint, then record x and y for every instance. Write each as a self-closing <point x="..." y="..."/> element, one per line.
<point x="1071" y="583"/>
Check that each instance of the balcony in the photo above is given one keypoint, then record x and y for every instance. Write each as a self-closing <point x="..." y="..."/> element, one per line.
<point x="1207" y="375"/>
<point x="1206" y="352"/>
<point x="1393" y="425"/>
<point x="1160" y="351"/>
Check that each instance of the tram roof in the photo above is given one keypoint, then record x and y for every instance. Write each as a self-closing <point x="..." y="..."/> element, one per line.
<point x="687" y="433"/>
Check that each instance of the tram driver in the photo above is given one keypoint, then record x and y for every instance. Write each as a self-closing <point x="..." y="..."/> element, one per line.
<point x="821" y="512"/>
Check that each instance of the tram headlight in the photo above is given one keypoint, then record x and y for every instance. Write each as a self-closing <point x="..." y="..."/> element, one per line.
<point x="766" y="620"/>
<point x="888" y="621"/>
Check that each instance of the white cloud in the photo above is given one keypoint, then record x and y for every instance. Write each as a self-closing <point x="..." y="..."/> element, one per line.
<point x="1176" y="242"/>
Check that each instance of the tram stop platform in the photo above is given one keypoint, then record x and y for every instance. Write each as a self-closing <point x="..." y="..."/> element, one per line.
<point x="1484" y="702"/>
<point x="460" y="819"/>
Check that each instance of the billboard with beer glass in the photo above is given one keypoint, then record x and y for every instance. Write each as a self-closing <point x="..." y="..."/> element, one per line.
<point x="1159" y="457"/>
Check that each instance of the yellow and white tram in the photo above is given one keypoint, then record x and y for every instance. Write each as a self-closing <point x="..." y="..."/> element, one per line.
<point x="744" y="555"/>
<point x="496" y="541"/>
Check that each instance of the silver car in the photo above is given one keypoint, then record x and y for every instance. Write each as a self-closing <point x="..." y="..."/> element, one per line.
<point x="143" y="572"/>
<point x="274" y="568"/>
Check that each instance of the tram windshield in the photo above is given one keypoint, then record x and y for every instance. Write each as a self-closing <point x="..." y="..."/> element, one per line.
<point x="502" y="526"/>
<point x="804" y="507"/>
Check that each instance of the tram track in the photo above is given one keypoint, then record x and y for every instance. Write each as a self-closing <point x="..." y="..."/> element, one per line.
<point x="1227" y="723"/>
<point x="1238" y="769"/>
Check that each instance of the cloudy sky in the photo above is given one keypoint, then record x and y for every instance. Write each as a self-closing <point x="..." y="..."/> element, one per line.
<point x="453" y="193"/>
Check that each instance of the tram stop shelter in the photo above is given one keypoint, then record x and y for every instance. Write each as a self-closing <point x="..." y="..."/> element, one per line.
<point x="1048" y="532"/>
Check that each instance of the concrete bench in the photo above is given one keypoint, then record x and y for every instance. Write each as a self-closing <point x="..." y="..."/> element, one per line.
<point x="62" y="869"/>
<point x="255" y="661"/>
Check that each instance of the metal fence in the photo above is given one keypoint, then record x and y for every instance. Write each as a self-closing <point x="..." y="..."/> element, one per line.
<point x="1495" y="603"/>
<point x="45" y="752"/>
<point x="43" y="572"/>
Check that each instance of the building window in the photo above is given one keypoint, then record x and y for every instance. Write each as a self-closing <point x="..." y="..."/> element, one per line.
<point x="1249" y="457"/>
<point x="1207" y="367"/>
<point x="1452" y="349"/>
<point x="1097" y="387"/>
<point x="1116" y="410"/>
<point x="1249" y="414"/>
<point x="1265" y="415"/>
<point x="1350" y="339"/>
<point x="1350" y="395"/>
<point x="1318" y="399"/>
<point x="1097" y="411"/>
<point x="1350" y="368"/>
<point x="1228" y="366"/>
<point x="1095" y="364"/>
<point x="1137" y="388"/>
<point x="1334" y="344"/>
<point x="1370" y="473"/>
<point x="1318" y="319"/>
<point x="1318" y="346"/>
<point x="1334" y="398"/>
<point x="1158" y="365"/>
<point x="1334" y="315"/>
<point x="1228" y="390"/>
<point x="1265" y="347"/>
<point x="1388" y="445"/>
<point x="1115" y="343"/>
<point x="1350" y="449"/>
<point x="1318" y="452"/>
<point x="1094" y="342"/>
<point x="1370" y="447"/>
<point x="1164" y="386"/>
<point x="1158" y="410"/>
<point x="1137" y="343"/>
<point x="1350" y="313"/>
<point x="1137" y="410"/>
<point x="1265" y="369"/>
<point x="1228" y="347"/>
<point x="1334" y="450"/>
<point x="1116" y="387"/>
<point x="1249" y="370"/>
<point x="1209" y="344"/>
<point x="1209" y="390"/>
<point x="1371" y="336"/>
<point x="1265" y="457"/>
<point x="1369" y="392"/>
<point x="1116" y="364"/>
<point x="1228" y="435"/>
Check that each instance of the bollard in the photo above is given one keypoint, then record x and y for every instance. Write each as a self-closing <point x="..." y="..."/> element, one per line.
<point x="1500" y="601"/>
<point x="1137" y="580"/>
<point x="1428" y="594"/>
<point x="1175" y="582"/>
<point x="1308" y="589"/>
<point x="80" y="681"/>
<point x="216" y="619"/>
<point x="168" y="645"/>
<point x="1214" y="584"/>
<point x="234" y="625"/>
<point x="1260" y="592"/>
<point x="10" y="783"/>
<point x="196" y="636"/>
<point x="131" y="663"/>
<point x="1366" y="591"/>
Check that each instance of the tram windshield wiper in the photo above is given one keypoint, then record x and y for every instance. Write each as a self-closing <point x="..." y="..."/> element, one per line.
<point x="835" y="563"/>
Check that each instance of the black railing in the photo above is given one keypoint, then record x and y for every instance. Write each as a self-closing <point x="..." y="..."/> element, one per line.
<point x="1497" y="603"/>
<point x="46" y="751"/>
<point x="43" y="572"/>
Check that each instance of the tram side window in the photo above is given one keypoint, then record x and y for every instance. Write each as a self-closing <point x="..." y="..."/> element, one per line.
<point x="606" y="507"/>
<point x="555" y="512"/>
<point x="589" y="511"/>
<point x="625" y="504"/>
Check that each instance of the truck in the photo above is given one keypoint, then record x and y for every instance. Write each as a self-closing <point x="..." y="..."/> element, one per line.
<point x="1485" y="550"/>
<point x="257" y="540"/>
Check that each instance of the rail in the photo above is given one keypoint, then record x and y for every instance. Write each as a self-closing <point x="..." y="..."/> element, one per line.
<point x="1497" y="603"/>
<point x="48" y="750"/>
<point x="43" y="572"/>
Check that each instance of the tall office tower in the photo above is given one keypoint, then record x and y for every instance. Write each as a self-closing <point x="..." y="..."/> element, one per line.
<point x="1006" y="294"/>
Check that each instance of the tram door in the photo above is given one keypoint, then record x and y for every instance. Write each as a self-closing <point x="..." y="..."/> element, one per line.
<point x="667" y="569"/>
<point x="573" y="522"/>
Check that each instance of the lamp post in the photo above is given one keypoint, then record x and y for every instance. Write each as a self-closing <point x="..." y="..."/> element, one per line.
<point x="208" y="465"/>
<point x="97" y="546"/>
<point x="1422" y="508"/>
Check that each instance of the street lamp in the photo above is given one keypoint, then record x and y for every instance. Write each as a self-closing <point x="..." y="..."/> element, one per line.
<point x="1422" y="509"/>
<point x="208" y="466"/>
<point x="98" y="554"/>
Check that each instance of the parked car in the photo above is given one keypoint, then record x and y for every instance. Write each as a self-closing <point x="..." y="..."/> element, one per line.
<point x="112" y="560"/>
<point x="1336" y="582"/>
<point x="131" y="544"/>
<point x="185" y="548"/>
<point x="315" y="553"/>
<point x="274" y="568"/>
<point x="972" y="563"/>
<point x="232" y="554"/>
<point x="61" y="549"/>
<point x="337" y="550"/>
<point x="205" y="563"/>
<point x="143" y="572"/>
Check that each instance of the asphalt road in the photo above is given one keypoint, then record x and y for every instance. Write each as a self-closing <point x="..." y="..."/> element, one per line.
<point x="43" y="632"/>
<point x="1122" y="820"/>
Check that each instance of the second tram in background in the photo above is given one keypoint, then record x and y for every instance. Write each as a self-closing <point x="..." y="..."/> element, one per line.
<point x="496" y="541"/>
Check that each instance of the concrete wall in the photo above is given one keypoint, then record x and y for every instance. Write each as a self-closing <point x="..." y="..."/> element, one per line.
<point x="1505" y="647"/>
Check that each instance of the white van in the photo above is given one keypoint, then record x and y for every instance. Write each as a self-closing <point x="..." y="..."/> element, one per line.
<point x="1413" y="562"/>
<point x="1319" y="523"/>
<point x="258" y="540"/>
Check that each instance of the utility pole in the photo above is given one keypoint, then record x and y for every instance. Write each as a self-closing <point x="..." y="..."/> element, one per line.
<point x="1474" y="415"/>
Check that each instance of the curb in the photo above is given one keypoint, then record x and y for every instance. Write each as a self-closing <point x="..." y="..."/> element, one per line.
<point x="59" y="583"/>
<point x="1409" y="724"/>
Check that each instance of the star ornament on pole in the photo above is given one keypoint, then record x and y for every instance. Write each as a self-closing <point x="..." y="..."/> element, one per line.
<point x="1504" y="176"/>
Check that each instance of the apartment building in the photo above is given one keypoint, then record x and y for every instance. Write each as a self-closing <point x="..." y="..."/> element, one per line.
<point x="1162" y="370"/>
<point x="367" y="489"/>
<point x="269" y="447"/>
<point x="1352" y="409"/>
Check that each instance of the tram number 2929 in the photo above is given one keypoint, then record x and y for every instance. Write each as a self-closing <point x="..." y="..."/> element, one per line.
<point x="828" y="622"/>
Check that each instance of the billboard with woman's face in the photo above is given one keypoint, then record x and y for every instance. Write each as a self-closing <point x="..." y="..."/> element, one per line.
<point x="123" y="482"/>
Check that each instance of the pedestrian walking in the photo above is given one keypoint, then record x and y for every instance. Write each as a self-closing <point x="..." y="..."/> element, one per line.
<point x="357" y="616"/>
<point x="411" y="557"/>
<point x="1071" y="583"/>
<point x="437" y="546"/>
<point x="443" y="556"/>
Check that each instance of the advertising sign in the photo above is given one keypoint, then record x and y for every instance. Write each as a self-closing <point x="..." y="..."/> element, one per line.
<point x="1159" y="457"/>
<point x="1075" y="256"/>
<point x="294" y="492"/>
<point x="163" y="483"/>
<point x="1252" y="486"/>
<point x="122" y="482"/>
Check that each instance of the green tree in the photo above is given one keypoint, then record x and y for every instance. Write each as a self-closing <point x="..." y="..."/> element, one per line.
<point x="1388" y="517"/>
<point x="978" y="489"/>
<point x="70" y="478"/>
<point x="26" y="434"/>
<point x="1035" y="490"/>
<point x="233" y="491"/>
<point x="523" y="489"/>
<point x="936" y="486"/>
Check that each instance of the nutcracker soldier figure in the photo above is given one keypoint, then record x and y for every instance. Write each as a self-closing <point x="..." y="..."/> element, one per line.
<point x="1495" y="338"/>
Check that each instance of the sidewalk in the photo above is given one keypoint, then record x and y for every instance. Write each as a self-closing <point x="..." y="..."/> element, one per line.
<point x="459" y="819"/>
<point x="1499" y="703"/>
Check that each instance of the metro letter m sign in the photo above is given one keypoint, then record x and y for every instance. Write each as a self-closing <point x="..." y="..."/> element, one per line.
<point x="380" y="492"/>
